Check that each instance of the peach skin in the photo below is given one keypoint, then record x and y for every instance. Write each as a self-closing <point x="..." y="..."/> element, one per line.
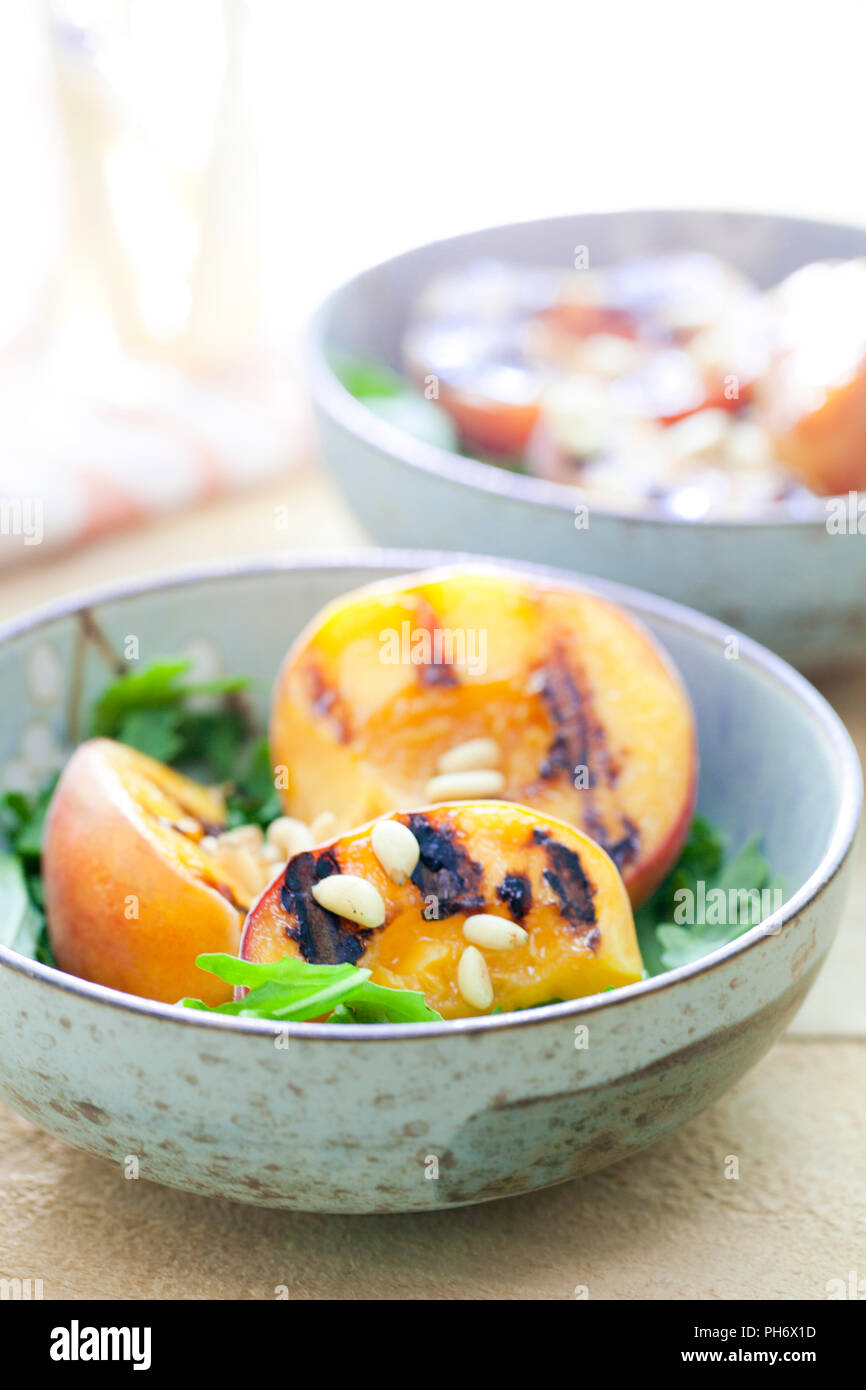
<point x="131" y="896"/>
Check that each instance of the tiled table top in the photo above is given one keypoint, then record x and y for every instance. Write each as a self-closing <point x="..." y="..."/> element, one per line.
<point x="666" y="1224"/>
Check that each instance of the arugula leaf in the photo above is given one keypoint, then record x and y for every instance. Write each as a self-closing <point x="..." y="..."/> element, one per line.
<point x="253" y="797"/>
<point x="153" y="687"/>
<point x="664" y="943"/>
<point x="292" y="989"/>
<point x="155" y="708"/>
<point x="149" y="688"/>
<point x="288" y="970"/>
<point x="156" y="732"/>
<point x="21" y="923"/>
<point x="395" y="400"/>
<point x="416" y="415"/>
<point x="202" y="727"/>
<point x="369" y="1003"/>
<point x="22" y="819"/>
<point x="364" y="376"/>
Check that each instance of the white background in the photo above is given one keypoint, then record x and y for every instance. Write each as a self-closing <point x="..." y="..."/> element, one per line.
<point x="387" y="123"/>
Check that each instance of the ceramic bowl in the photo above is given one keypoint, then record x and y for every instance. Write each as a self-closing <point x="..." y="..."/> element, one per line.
<point x="790" y="582"/>
<point x="362" y="1118"/>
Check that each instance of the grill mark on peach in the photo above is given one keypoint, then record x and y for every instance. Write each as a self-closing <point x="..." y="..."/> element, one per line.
<point x="208" y="827"/>
<point x="565" y="876"/>
<point x="323" y="938"/>
<point x="440" y="675"/>
<point x="433" y="673"/>
<point x="225" y="892"/>
<point x="515" y="891"/>
<point x="621" y="851"/>
<point x="580" y="741"/>
<point x="445" y="871"/>
<point x="326" y="702"/>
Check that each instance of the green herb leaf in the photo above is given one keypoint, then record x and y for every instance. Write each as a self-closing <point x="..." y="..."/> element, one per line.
<point x="291" y="989"/>
<point x="152" y="688"/>
<point x="148" y="688"/>
<point x="665" y="943"/>
<point x="21" y="923"/>
<point x="203" y="728"/>
<point x="416" y="415"/>
<point x="370" y="1003"/>
<point x="395" y="400"/>
<point x="22" y="819"/>
<point x="288" y="970"/>
<point x="156" y="732"/>
<point x="253" y="797"/>
<point x="364" y="376"/>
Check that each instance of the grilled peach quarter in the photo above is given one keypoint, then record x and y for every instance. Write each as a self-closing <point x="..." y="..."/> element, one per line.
<point x="481" y="905"/>
<point x="136" y="882"/>
<point x="468" y="683"/>
<point x="815" y="392"/>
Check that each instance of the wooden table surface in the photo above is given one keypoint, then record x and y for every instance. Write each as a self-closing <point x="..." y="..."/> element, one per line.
<point x="665" y="1224"/>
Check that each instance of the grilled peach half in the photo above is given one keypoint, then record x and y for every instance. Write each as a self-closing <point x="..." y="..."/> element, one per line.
<point x="483" y="906"/>
<point x="132" y="895"/>
<point x="471" y="683"/>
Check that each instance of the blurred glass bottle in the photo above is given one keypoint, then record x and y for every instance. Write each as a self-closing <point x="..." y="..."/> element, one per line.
<point x="163" y="234"/>
<point x="31" y="225"/>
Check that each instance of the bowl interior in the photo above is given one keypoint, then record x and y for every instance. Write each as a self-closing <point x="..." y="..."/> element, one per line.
<point x="774" y="758"/>
<point x="368" y="315"/>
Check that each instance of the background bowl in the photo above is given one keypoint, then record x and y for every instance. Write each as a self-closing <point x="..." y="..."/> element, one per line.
<point x="361" y="1119"/>
<point x="788" y="582"/>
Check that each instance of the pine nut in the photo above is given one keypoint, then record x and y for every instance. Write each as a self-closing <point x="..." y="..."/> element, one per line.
<point x="396" y="849"/>
<point x="473" y="979"/>
<point x="289" y="836"/>
<point x="351" y="897"/>
<point x="242" y="864"/>
<point x="266" y="873"/>
<point x="462" y="786"/>
<point x="466" y="757"/>
<point x="323" y="826"/>
<point x="495" y="933"/>
<point x="247" y="836"/>
<point x="188" y="825"/>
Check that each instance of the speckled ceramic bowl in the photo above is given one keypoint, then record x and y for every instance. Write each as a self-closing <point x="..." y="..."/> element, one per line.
<point x="788" y="582"/>
<point x="360" y="1118"/>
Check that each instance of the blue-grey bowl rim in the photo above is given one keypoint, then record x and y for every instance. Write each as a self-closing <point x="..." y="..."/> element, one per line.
<point x="357" y="418"/>
<point x="644" y="604"/>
